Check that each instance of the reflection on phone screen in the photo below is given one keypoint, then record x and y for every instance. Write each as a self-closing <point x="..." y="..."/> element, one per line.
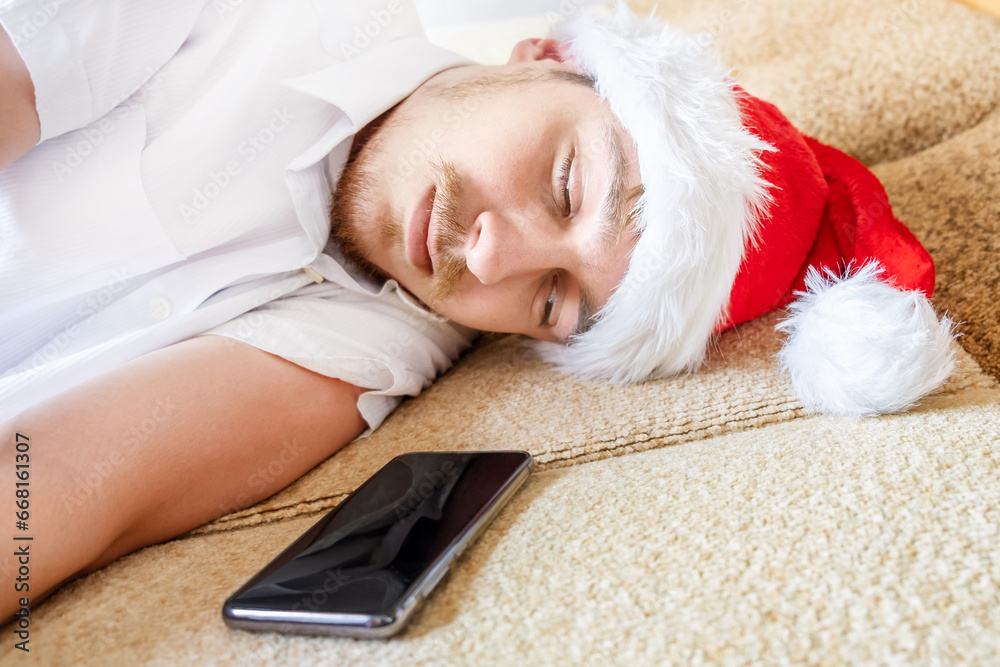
<point x="364" y="556"/>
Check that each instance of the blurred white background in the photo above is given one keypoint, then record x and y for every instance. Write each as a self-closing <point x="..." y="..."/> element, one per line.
<point x="436" y="13"/>
<point x="487" y="30"/>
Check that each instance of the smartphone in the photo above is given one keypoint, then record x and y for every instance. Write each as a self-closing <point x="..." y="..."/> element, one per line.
<point x="364" y="567"/>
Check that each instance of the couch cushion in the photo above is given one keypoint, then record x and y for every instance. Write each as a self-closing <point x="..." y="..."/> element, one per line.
<point x="948" y="195"/>
<point x="879" y="80"/>
<point x="815" y="540"/>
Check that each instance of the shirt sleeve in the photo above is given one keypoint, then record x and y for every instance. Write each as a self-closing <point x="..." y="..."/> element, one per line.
<point x="375" y="342"/>
<point x="85" y="57"/>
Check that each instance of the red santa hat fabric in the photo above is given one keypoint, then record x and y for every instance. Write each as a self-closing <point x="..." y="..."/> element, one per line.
<point x="828" y="211"/>
<point x="741" y="215"/>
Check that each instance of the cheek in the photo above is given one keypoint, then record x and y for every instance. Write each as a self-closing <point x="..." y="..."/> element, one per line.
<point x="491" y="153"/>
<point x="484" y="309"/>
<point x="618" y="268"/>
<point x="611" y="270"/>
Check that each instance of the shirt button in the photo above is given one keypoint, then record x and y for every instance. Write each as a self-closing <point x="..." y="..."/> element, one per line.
<point x="313" y="273"/>
<point x="159" y="308"/>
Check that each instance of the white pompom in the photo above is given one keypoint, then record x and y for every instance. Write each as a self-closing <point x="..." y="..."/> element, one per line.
<point x="858" y="347"/>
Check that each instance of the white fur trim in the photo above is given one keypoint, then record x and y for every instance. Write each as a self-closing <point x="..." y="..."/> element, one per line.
<point x="858" y="347"/>
<point x="703" y="196"/>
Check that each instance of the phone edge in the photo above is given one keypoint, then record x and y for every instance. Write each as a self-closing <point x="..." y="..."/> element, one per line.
<point x="383" y="626"/>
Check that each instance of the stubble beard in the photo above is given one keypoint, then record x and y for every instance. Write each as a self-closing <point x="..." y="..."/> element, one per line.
<point x="354" y="218"/>
<point x="354" y="213"/>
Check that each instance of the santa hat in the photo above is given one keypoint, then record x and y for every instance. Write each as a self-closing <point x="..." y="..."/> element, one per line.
<point x="742" y="215"/>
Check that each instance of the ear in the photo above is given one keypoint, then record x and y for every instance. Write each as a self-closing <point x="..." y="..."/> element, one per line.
<point x="536" y="49"/>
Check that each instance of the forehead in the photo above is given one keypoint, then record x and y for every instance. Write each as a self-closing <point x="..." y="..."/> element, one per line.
<point x="474" y="80"/>
<point x="478" y="90"/>
<point x="523" y="105"/>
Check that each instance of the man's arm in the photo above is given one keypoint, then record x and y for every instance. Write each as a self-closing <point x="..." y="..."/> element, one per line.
<point x="161" y="445"/>
<point x="19" y="128"/>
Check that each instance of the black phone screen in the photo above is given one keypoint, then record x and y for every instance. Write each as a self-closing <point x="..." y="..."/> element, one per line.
<point x="366" y="553"/>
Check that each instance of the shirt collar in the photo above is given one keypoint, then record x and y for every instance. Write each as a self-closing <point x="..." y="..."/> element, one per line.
<point x="373" y="82"/>
<point x="362" y="88"/>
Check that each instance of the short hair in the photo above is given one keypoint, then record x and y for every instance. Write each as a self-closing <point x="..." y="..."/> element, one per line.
<point x="491" y="80"/>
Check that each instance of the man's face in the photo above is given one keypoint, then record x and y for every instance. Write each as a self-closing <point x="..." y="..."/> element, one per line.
<point x="498" y="196"/>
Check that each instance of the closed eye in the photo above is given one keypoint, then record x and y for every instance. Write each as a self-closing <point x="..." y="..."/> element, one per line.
<point x="551" y="301"/>
<point x="564" y="174"/>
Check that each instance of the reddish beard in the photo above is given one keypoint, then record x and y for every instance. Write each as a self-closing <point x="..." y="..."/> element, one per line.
<point x="354" y="202"/>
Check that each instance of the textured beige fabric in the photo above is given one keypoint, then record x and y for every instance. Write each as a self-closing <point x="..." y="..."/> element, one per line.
<point x="698" y="519"/>
<point x="879" y="80"/>
<point x="948" y="195"/>
<point x="813" y="540"/>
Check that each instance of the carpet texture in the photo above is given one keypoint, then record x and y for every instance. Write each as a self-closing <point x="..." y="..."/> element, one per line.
<point x="697" y="519"/>
<point x="810" y="541"/>
<point x="948" y="195"/>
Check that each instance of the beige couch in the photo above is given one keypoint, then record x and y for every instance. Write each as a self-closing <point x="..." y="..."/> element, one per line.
<point x="697" y="519"/>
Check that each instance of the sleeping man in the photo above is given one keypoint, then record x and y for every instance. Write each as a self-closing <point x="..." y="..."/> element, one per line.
<point x="233" y="236"/>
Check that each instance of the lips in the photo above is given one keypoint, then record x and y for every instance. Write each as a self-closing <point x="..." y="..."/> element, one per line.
<point x="417" y="233"/>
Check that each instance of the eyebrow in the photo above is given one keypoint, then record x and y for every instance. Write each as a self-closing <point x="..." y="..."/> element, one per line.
<point x="614" y="211"/>
<point x="587" y="309"/>
<point x="614" y="217"/>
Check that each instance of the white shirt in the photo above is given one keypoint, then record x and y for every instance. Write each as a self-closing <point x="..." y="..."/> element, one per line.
<point x="183" y="179"/>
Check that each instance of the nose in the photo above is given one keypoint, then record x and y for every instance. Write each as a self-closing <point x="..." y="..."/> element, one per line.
<point x="499" y="247"/>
